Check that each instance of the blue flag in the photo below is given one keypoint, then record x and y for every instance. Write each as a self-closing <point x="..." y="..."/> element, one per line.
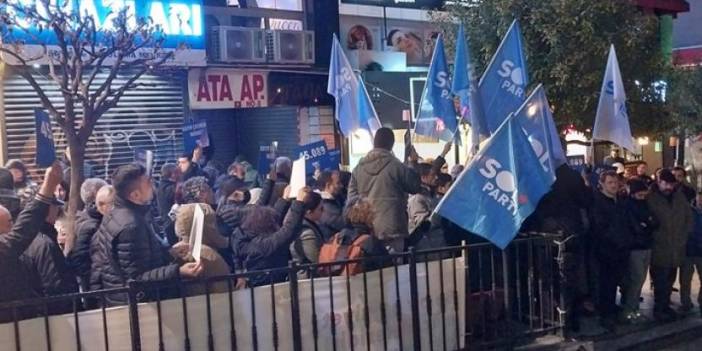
<point x="437" y="114"/>
<point x="537" y="122"/>
<point x="499" y="189"/>
<point x="354" y="109"/>
<point x="46" y="150"/>
<point x="612" y="119"/>
<point x="503" y="85"/>
<point x="465" y="86"/>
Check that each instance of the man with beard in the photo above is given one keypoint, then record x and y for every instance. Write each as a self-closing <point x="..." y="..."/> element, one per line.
<point x="674" y="214"/>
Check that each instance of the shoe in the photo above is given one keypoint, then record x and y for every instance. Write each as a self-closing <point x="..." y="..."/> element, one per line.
<point x="608" y="323"/>
<point x="665" y="315"/>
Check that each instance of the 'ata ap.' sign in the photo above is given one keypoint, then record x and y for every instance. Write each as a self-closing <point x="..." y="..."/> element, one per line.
<point x="223" y="89"/>
<point x="180" y="20"/>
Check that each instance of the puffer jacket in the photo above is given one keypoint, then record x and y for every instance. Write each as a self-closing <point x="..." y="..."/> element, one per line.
<point x="611" y="227"/>
<point x="15" y="285"/>
<point x="386" y="182"/>
<point x="670" y="239"/>
<point x="259" y="251"/>
<point x="87" y="223"/>
<point x="48" y="270"/>
<point x="126" y="248"/>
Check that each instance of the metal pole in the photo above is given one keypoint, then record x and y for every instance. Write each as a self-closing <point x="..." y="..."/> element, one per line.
<point x="414" y="297"/>
<point x="295" y="307"/>
<point x="134" y="316"/>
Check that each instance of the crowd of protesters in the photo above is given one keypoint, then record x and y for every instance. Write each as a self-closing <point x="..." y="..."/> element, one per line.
<point x="621" y="226"/>
<point x="134" y="228"/>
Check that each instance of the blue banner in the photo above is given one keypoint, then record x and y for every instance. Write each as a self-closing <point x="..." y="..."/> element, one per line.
<point x="437" y="114"/>
<point x="317" y="155"/>
<point x="46" y="150"/>
<point x="503" y="85"/>
<point x="536" y="120"/>
<point x="195" y="134"/>
<point x="499" y="189"/>
<point x="354" y="109"/>
<point x="465" y="86"/>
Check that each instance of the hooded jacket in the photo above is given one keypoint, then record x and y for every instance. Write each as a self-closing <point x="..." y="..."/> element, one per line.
<point x="670" y="239"/>
<point x="385" y="182"/>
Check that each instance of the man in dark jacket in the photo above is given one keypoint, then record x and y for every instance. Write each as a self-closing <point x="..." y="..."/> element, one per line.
<point x="642" y="223"/>
<point x="673" y="212"/>
<point x="687" y="189"/>
<point x="189" y="166"/>
<point x="14" y="241"/>
<point x="87" y="223"/>
<point x="165" y="194"/>
<point x="386" y="183"/>
<point x="613" y="241"/>
<point x="125" y="246"/>
<point x="693" y="259"/>
<point x="332" y="220"/>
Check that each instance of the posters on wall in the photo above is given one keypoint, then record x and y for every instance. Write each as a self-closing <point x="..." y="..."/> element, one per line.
<point x="415" y="41"/>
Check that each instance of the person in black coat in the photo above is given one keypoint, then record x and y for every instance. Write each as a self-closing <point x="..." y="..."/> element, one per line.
<point x="165" y="194"/>
<point x="14" y="240"/>
<point x="189" y="166"/>
<point x="613" y="241"/>
<point x="332" y="221"/>
<point x="87" y="224"/>
<point x="642" y="223"/>
<point x="125" y="246"/>
<point x="260" y="242"/>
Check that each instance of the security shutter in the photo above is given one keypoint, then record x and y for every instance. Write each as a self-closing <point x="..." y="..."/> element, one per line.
<point x="149" y="117"/>
<point x="222" y="130"/>
<point x="261" y="126"/>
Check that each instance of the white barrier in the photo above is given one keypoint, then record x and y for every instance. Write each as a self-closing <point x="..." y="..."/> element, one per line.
<point x="63" y="332"/>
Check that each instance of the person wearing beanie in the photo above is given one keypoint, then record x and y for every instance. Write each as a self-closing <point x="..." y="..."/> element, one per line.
<point x="8" y="197"/>
<point x="25" y="188"/>
<point x="643" y="223"/>
<point x="386" y="182"/>
<point x="673" y="212"/>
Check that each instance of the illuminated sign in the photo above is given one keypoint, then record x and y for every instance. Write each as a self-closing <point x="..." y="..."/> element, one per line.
<point x="224" y="89"/>
<point x="180" y="20"/>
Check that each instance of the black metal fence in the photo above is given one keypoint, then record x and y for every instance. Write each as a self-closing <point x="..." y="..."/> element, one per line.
<point x="445" y="299"/>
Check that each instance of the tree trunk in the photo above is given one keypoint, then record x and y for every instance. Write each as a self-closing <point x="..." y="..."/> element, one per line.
<point x="77" y="154"/>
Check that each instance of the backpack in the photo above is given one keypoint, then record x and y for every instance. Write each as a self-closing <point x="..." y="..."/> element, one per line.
<point x="334" y="250"/>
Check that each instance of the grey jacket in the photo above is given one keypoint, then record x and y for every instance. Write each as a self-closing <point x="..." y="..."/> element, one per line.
<point x="386" y="182"/>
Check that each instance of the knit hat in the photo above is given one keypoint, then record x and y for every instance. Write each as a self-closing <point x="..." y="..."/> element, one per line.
<point x="636" y="186"/>
<point x="192" y="189"/>
<point x="667" y="176"/>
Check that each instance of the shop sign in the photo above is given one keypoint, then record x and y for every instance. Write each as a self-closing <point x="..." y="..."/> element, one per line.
<point x="224" y="89"/>
<point x="180" y="20"/>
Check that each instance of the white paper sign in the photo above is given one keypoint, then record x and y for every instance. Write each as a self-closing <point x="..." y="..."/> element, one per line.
<point x="196" y="232"/>
<point x="298" y="177"/>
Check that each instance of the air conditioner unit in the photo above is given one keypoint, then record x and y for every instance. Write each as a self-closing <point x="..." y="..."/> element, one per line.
<point x="238" y="44"/>
<point x="290" y="46"/>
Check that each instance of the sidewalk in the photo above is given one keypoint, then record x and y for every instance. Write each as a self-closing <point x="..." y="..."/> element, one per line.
<point x="676" y="335"/>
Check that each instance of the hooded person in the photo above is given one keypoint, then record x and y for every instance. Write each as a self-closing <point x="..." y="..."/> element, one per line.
<point x="8" y="197"/>
<point x="25" y="188"/>
<point x="213" y="263"/>
<point x="386" y="182"/>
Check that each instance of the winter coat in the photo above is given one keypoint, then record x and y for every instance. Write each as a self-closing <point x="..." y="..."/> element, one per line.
<point x="87" y="223"/>
<point x="386" y="182"/>
<point x="305" y="249"/>
<point x="15" y="285"/>
<point x="259" y="251"/>
<point x="126" y="248"/>
<point x="332" y="220"/>
<point x="47" y="268"/>
<point x="610" y="227"/>
<point x="694" y="242"/>
<point x="670" y="239"/>
<point x="165" y="196"/>
<point x="193" y="171"/>
<point x="642" y="223"/>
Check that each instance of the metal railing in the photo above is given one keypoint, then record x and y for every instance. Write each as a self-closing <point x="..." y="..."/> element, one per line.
<point x="464" y="297"/>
